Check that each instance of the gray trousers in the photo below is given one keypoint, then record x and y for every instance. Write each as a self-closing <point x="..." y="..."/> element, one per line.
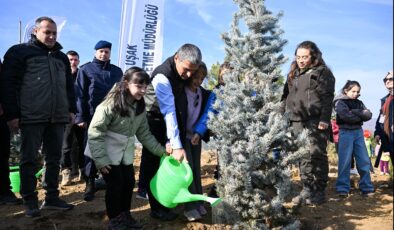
<point x="314" y="165"/>
<point x="193" y="154"/>
<point x="33" y="135"/>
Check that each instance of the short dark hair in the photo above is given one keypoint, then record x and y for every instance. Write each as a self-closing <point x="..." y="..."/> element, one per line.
<point x="72" y="53"/>
<point x="43" y="18"/>
<point x="190" y="53"/>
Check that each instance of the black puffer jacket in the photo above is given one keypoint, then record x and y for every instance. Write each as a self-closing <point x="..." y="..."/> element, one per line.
<point x="309" y="96"/>
<point x="36" y="84"/>
<point x="351" y="113"/>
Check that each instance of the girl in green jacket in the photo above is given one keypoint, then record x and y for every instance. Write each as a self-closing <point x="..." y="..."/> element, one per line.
<point x="116" y="121"/>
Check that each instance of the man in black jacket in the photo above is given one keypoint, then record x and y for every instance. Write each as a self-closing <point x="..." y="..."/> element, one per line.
<point x="38" y="93"/>
<point x="166" y="106"/>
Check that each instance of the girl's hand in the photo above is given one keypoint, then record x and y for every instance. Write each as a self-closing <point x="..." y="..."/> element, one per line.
<point x="168" y="148"/>
<point x="322" y="125"/>
<point x="195" y="139"/>
<point x="105" y="169"/>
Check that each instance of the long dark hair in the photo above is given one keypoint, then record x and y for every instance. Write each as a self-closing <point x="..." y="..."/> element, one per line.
<point x="316" y="57"/>
<point x="121" y="94"/>
<point x="349" y="85"/>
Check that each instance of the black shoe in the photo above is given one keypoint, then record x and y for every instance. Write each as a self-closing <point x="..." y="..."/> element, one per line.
<point x="317" y="198"/>
<point x="367" y="194"/>
<point x="31" y="210"/>
<point x="89" y="191"/>
<point x="213" y="193"/>
<point x="9" y="198"/>
<point x="56" y="204"/>
<point x="131" y="222"/>
<point x="163" y="215"/>
<point x="342" y="195"/>
<point x="142" y="194"/>
<point x="31" y="213"/>
<point x="118" y="223"/>
<point x="100" y="184"/>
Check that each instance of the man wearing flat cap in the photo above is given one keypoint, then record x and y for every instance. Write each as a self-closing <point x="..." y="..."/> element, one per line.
<point x="94" y="80"/>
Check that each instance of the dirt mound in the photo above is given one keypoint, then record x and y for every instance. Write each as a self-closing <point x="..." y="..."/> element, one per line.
<point x="354" y="212"/>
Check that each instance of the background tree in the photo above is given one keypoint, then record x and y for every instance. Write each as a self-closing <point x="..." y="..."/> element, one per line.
<point x="251" y="128"/>
<point x="212" y="80"/>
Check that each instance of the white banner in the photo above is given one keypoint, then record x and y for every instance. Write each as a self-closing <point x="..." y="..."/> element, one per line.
<point x="141" y="34"/>
<point x="60" y="22"/>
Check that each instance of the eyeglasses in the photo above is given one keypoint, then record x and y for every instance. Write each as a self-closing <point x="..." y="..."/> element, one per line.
<point x="195" y="103"/>
<point x="387" y="79"/>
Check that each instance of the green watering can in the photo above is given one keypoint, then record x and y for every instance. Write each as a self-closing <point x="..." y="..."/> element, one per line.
<point x="16" y="180"/>
<point x="170" y="184"/>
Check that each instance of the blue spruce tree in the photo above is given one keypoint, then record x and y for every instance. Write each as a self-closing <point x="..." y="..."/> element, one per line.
<point x="251" y="127"/>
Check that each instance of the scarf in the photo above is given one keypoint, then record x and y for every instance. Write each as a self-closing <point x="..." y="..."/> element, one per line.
<point x="386" y="112"/>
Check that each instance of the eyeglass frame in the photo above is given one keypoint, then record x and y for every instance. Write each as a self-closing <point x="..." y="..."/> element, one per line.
<point x="387" y="79"/>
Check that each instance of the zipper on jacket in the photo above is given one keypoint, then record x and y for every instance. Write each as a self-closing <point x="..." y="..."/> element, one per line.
<point x="52" y="90"/>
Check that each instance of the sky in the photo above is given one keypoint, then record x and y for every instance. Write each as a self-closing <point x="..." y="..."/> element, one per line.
<point x="355" y="36"/>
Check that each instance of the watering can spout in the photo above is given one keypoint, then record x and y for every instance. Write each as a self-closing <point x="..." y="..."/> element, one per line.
<point x="185" y="196"/>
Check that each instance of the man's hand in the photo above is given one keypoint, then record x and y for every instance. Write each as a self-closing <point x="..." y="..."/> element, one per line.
<point x="105" y="169"/>
<point x="168" y="148"/>
<point x="13" y="125"/>
<point x="195" y="139"/>
<point x="179" y="154"/>
<point x="82" y="125"/>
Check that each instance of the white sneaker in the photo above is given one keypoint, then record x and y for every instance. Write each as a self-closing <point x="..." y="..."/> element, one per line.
<point x="66" y="180"/>
<point x="192" y="215"/>
<point x="354" y="171"/>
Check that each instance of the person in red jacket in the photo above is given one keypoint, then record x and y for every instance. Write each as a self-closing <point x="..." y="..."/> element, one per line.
<point x="335" y="132"/>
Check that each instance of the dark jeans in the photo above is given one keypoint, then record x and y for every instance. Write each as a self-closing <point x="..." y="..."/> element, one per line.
<point x="150" y="163"/>
<point x="120" y="183"/>
<point x="193" y="154"/>
<point x="51" y="137"/>
<point x="73" y="147"/>
<point x="90" y="170"/>
<point x="314" y="165"/>
<point x="4" y="157"/>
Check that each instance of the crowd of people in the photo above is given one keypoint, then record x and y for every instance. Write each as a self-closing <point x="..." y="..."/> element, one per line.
<point x="56" y="105"/>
